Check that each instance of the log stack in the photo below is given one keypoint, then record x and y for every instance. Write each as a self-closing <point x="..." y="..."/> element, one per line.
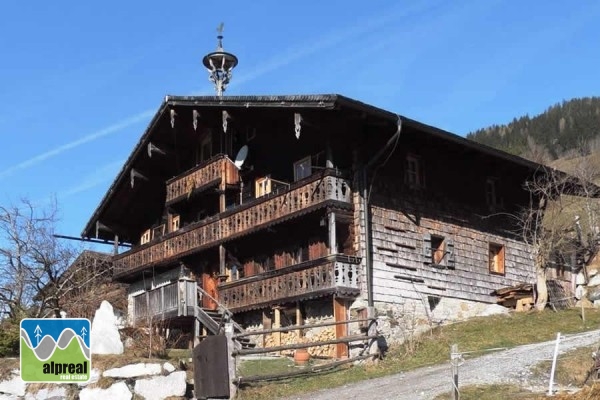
<point x="289" y="338"/>
<point x="519" y="297"/>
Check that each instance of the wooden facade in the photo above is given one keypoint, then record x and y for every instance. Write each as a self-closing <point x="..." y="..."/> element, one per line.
<point x="287" y="225"/>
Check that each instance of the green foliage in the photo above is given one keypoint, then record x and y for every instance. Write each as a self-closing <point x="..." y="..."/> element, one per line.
<point x="9" y="338"/>
<point x="564" y="127"/>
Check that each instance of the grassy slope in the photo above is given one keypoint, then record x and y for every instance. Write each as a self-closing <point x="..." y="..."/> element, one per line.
<point x="477" y="334"/>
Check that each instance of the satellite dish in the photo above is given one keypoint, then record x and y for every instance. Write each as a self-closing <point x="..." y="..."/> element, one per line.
<point x="241" y="156"/>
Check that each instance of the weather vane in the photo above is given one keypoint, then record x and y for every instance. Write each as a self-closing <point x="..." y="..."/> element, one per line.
<point x="220" y="64"/>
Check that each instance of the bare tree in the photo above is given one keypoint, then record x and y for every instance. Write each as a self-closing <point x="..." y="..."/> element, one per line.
<point x="31" y="260"/>
<point x="561" y="217"/>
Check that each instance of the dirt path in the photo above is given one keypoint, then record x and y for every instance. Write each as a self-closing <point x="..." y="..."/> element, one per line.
<point x="507" y="366"/>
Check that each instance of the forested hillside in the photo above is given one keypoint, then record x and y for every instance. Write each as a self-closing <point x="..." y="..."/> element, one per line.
<point x="565" y="130"/>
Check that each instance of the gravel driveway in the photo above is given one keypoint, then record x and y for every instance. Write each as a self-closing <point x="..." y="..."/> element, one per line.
<point x="506" y="366"/>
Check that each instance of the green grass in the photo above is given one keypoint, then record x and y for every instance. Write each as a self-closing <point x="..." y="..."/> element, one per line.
<point x="572" y="367"/>
<point x="491" y="392"/>
<point x="434" y="348"/>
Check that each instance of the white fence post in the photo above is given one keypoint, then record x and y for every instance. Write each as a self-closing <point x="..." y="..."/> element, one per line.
<point x="454" y="359"/>
<point x="553" y="369"/>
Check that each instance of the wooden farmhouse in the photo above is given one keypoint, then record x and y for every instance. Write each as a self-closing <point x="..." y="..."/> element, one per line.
<point x="254" y="207"/>
<point x="257" y="203"/>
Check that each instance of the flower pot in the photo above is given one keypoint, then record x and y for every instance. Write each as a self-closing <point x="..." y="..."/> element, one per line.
<point x="301" y="357"/>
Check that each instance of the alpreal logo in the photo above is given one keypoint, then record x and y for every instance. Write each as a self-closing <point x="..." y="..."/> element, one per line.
<point x="55" y="350"/>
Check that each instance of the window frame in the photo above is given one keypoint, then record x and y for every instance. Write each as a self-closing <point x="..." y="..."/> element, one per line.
<point x="299" y="163"/>
<point x="414" y="175"/>
<point x="497" y="261"/>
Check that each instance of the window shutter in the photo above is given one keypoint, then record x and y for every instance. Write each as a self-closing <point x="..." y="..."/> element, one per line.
<point x="427" y="248"/>
<point x="450" y="260"/>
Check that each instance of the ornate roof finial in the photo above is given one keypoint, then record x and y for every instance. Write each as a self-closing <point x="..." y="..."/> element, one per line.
<point x="220" y="64"/>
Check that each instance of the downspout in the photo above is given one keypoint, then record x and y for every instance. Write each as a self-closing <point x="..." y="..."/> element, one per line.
<point x="366" y="213"/>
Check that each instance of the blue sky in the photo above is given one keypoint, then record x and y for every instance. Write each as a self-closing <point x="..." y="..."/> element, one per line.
<point x="80" y="81"/>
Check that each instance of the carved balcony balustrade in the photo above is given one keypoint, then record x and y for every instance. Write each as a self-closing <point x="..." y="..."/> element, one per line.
<point x="217" y="170"/>
<point x="337" y="274"/>
<point x="317" y="191"/>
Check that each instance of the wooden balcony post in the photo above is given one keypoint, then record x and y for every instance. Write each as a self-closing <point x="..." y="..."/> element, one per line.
<point x="332" y="234"/>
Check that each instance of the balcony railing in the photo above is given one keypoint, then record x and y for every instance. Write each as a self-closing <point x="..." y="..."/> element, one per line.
<point x="312" y="193"/>
<point x="215" y="170"/>
<point x="172" y="300"/>
<point x="332" y="274"/>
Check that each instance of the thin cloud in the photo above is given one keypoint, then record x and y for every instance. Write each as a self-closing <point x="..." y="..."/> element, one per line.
<point x="144" y="115"/>
<point x="98" y="177"/>
<point x="275" y="63"/>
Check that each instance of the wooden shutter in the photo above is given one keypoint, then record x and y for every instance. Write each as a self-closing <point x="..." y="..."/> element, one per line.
<point x="427" y="248"/>
<point x="450" y="260"/>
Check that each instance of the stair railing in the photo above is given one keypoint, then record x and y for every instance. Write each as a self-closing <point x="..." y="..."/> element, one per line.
<point x="227" y="314"/>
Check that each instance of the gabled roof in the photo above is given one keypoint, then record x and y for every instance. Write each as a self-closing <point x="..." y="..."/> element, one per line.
<point x="322" y="101"/>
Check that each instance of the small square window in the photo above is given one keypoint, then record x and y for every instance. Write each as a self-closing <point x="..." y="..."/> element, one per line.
<point x="496" y="259"/>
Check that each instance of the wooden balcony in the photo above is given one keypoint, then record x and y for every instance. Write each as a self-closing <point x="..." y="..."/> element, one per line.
<point x="333" y="274"/>
<point x="217" y="170"/>
<point x="317" y="191"/>
<point x="172" y="300"/>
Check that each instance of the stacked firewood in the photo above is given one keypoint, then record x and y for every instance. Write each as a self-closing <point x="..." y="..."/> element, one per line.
<point x="290" y="338"/>
<point x="519" y="297"/>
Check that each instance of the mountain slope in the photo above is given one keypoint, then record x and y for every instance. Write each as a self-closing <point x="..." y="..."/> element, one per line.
<point x="563" y="130"/>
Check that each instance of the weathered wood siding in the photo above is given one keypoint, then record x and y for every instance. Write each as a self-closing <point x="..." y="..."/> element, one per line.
<point x="401" y="270"/>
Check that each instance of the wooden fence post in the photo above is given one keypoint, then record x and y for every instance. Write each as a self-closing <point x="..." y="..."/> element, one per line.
<point x="454" y="358"/>
<point x="231" y="359"/>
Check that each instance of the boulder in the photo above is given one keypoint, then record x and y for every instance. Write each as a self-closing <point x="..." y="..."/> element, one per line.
<point x="118" y="391"/>
<point x="95" y="375"/>
<point x="133" y="371"/>
<point x="592" y="272"/>
<point x="14" y="386"/>
<point x="580" y="279"/>
<point x="580" y="291"/>
<point x="54" y="393"/>
<point x="594" y="281"/>
<point x="593" y="293"/>
<point x="105" y="335"/>
<point x="160" y="387"/>
<point x="9" y="397"/>
<point x="168" y="367"/>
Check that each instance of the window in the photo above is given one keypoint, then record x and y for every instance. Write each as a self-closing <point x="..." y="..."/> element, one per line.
<point x="158" y="232"/>
<point x="438" y="251"/>
<point x="206" y="147"/>
<point x="263" y="186"/>
<point x="413" y="171"/>
<point x="491" y="194"/>
<point x="438" y="248"/>
<point x="302" y="169"/>
<point x="175" y="223"/>
<point x="145" y="237"/>
<point x="496" y="259"/>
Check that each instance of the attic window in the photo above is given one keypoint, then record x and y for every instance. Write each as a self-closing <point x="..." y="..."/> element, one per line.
<point x="491" y="194"/>
<point x="413" y="171"/>
<point x="496" y="259"/>
<point x="302" y="168"/>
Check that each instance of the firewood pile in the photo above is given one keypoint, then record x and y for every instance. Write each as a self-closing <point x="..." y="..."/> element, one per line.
<point x="289" y="338"/>
<point x="519" y="297"/>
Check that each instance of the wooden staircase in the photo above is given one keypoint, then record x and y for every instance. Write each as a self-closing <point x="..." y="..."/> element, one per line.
<point x="214" y="322"/>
